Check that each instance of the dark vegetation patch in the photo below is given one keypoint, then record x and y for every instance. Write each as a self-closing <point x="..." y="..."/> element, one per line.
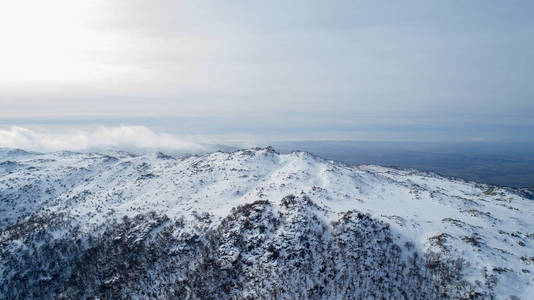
<point x="257" y="251"/>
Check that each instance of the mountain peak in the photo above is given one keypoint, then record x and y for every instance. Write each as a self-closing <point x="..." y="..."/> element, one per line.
<point x="270" y="203"/>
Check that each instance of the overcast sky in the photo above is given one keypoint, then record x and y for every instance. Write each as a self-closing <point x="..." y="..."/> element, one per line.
<point x="361" y="70"/>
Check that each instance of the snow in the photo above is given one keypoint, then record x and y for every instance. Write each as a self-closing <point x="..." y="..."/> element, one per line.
<point x="491" y="228"/>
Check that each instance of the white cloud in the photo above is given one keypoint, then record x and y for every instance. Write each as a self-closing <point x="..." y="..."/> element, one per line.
<point x="129" y="138"/>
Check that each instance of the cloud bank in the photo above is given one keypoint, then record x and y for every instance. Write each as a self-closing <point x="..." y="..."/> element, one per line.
<point x="128" y="138"/>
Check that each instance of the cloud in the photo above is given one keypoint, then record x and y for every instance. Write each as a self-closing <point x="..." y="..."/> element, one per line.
<point x="128" y="138"/>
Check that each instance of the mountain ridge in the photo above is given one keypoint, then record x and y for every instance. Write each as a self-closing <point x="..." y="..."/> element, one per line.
<point x="450" y="225"/>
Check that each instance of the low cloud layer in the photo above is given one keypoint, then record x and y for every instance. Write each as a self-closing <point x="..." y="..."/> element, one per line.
<point x="128" y="138"/>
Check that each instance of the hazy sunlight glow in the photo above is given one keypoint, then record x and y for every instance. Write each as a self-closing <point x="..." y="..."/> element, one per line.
<point x="48" y="41"/>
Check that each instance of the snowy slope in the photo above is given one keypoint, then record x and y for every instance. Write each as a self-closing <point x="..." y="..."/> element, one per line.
<point x="82" y="198"/>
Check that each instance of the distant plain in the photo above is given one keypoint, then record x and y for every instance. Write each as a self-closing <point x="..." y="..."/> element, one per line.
<point x="499" y="163"/>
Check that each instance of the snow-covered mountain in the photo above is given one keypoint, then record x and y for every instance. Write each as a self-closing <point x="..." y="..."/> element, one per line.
<point x="254" y="224"/>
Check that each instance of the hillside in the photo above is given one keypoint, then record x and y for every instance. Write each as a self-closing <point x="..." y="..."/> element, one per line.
<point x="254" y="223"/>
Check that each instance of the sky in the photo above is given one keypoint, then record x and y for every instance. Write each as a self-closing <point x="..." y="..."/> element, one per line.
<point x="247" y="72"/>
